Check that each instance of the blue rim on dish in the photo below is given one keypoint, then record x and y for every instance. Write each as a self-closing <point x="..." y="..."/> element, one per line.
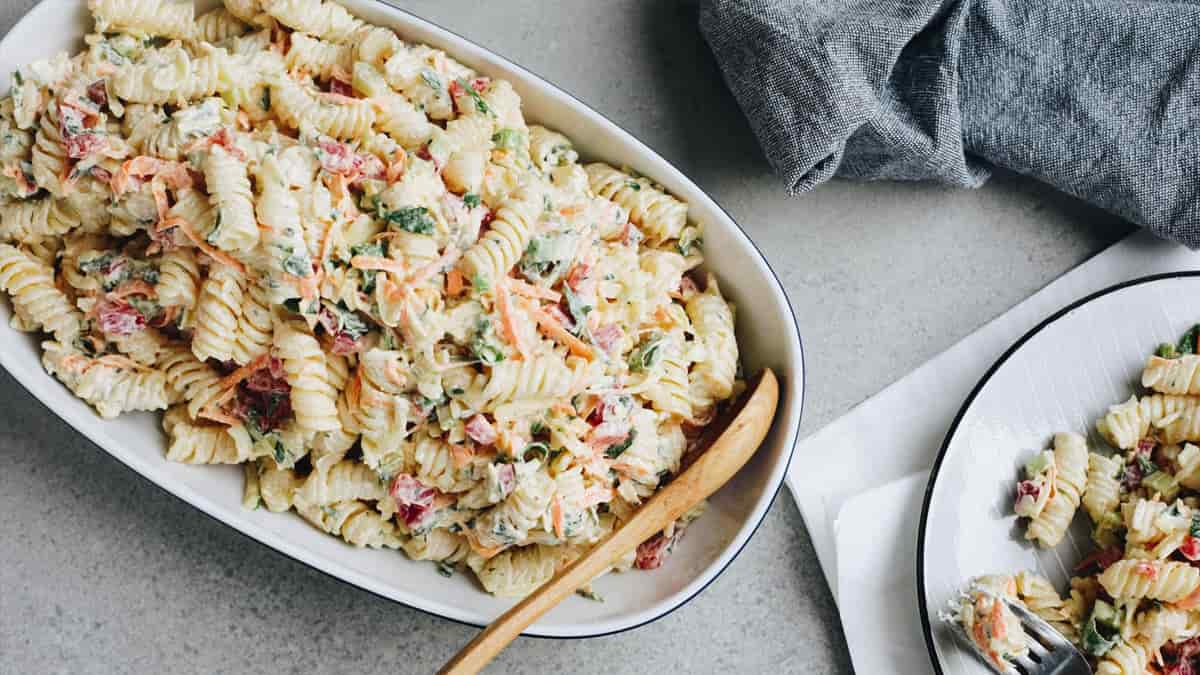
<point x="926" y="624"/>
<point x="645" y="150"/>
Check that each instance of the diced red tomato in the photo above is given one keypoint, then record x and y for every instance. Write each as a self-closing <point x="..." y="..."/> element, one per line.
<point x="341" y="87"/>
<point x="506" y="475"/>
<point x="98" y="93"/>
<point x="560" y="316"/>
<point x="608" y="434"/>
<point x="344" y="344"/>
<point x="83" y="145"/>
<point x="481" y="430"/>
<point x="652" y="552"/>
<point x="1027" y="490"/>
<point x="1146" y="570"/>
<point x="1190" y="548"/>
<point x="578" y="275"/>
<point x="1103" y="559"/>
<point x="414" y="500"/>
<point x="119" y="318"/>
<point x="607" y="336"/>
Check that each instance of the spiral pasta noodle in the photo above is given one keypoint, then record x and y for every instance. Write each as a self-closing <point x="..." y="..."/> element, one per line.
<point x="661" y="216"/>
<point x="218" y="313"/>
<point x="500" y="248"/>
<point x="165" y="18"/>
<point x="31" y="285"/>
<point x="1175" y="418"/>
<point x="1173" y="376"/>
<point x="1071" y="461"/>
<point x="1102" y="492"/>
<point x="1168" y="581"/>
<point x="314" y="398"/>
<point x="229" y="184"/>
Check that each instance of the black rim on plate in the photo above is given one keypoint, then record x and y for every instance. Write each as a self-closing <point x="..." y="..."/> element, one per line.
<point x="646" y="150"/>
<point x="926" y="624"/>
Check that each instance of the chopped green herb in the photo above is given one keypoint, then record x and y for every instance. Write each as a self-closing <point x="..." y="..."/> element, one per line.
<point x="1036" y="464"/>
<point x="373" y="249"/>
<point x="579" y="313"/>
<point x="633" y="185"/>
<point x="1187" y="343"/>
<point x="445" y="569"/>
<point x="1166" y="351"/>
<point x="480" y="284"/>
<point x="480" y="104"/>
<point x="298" y="265"/>
<point x="647" y="353"/>
<point x="538" y="447"/>
<point x="1100" y="631"/>
<point x="281" y="453"/>
<point x="614" y="451"/>
<point x="1194" y="530"/>
<point x="482" y="346"/>
<point x="1163" y="483"/>
<point x="215" y="231"/>
<point x="508" y="139"/>
<point x="1148" y="467"/>
<point x="431" y="79"/>
<point x="349" y="322"/>
<point x="415" y="219"/>
<point x="457" y="391"/>
<point x="266" y="98"/>
<point x="537" y="427"/>
<point x="471" y="199"/>
<point x="18" y="78"/>
<point x="590" y="594"/>
<point x="99" y="263"/>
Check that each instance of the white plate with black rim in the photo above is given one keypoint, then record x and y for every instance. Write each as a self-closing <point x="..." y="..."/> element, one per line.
<point x="1061" y="376"/>
<point x="766" y="329"/>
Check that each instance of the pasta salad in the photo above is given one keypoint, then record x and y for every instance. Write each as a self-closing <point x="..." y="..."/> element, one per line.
<point x="1133" y="605"/>
<point x="348" y="263"/>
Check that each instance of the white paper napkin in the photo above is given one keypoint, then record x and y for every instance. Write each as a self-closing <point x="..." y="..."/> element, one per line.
<point x="896" y="434"/>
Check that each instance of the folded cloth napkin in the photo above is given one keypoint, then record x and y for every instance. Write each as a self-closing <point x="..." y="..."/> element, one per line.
<point x="1099" y="98"/>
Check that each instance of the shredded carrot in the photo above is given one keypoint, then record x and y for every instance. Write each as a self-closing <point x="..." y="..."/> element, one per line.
<point x="556" y="516"/>
<point x="71" y="362"/>
<point x="337" y="99"/>
<point x="132" y="287"/>
<point x="530" y="291"/>
<point x="630" y="470"/>
<point x="555" y="330"/>
<point x="455" y="283"/>
<point x="570" y="210"/>
<point x="117" y="361"/>
<point x="484" y="552"/>
<point x="325" y="244"/>
<point x="233" y="379"/>
<point x="998" y="630"/>
<point x="219" y="416"/>
<point x="213" y="252"/>
<point x="461" y="454"/>
<point x="428" y="271"/>
<point x="1190" y="602"/>
<point x="371" y="262"/>
<point x="508" y="323"/>
<point x="243" y="120"/>
<point x="398" y="165"/>
<point x="160" y="199"/>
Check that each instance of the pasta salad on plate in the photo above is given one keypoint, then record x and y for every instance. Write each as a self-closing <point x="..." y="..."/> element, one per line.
<point x="1133" y="605"/>
<point x="348" y="263"/>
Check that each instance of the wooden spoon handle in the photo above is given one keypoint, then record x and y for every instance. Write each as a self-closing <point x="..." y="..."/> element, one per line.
<point x="712" y="469"/>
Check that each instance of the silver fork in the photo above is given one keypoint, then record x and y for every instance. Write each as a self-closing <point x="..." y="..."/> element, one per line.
<point x="1049" y="652"/>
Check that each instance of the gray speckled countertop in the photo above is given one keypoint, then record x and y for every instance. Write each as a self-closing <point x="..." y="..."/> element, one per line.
<point x="100" y="571"/>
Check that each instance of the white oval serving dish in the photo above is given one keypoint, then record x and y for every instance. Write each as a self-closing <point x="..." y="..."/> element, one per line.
<point x="767" y="333"/>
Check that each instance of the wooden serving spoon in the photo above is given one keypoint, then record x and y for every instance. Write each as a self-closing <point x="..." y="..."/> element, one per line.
<point x="712" y="467"/>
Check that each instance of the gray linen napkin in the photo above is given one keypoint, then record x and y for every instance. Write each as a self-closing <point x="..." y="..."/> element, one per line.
<point x="1099" y="98"/>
